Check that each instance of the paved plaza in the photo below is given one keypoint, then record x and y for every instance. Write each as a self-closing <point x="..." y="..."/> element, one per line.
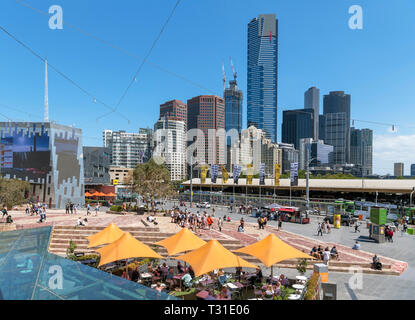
<point x="399" y="253"/>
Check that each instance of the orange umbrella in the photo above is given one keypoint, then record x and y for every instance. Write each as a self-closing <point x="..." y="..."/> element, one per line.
<point x="87" y="194"/>
<point x="213" y="256"/>
<point x="110" y="234"/>
<point x="126" y="247"/>
<point x="95" y="194"/>
<point x="111" y="194"/>
<point x="184" y="240"/>
<point x="272" y="250"/>
<point x="100" y="194"/>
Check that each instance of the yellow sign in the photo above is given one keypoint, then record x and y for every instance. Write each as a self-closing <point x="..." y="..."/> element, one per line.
<point x="225" y="175"/>
<point x="277" y="174"/>
<point x="249" y="173"/>
<point x="115" y="181"/>
<point x="324" y="277"/>
<point x="337" y="221"/>
<point x="203" y="173"/>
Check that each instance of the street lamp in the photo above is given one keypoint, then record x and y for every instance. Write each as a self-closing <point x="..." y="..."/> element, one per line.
<point x="191" y="180"/>
<point x="307" y="178"/>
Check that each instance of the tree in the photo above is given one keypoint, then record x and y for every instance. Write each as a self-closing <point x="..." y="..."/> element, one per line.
<point x="12" y="192"/>
<point x="152" y="180"/>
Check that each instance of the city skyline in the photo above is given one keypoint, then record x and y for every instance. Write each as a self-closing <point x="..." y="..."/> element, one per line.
<point x="294" y="76"/>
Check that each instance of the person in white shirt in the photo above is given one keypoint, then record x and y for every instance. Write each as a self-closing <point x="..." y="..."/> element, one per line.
<point x="326" y="256"/>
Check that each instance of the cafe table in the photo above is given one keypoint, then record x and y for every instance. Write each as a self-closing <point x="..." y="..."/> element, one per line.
<point x="294" y="297"/>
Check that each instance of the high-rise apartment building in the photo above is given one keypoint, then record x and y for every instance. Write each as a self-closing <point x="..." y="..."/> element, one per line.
<point x="207" y="113"/>
<point x="398" y="169"/>
<point x="170" y="144"/>
<point x="263" y="74"/>
<point x="128" y="149"/>
<point x="296" y="125"/>
<point x="336" y="110"/>
<point x="312" y="101"/>
<point x="361" y="149"/>
<point x="174" y="110"/>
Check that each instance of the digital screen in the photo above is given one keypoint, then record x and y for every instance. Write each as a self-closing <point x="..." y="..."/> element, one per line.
<point x="25" y="154"/>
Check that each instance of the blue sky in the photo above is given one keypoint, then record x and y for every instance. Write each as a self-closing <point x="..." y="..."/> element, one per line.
<point x="375" y="65"/>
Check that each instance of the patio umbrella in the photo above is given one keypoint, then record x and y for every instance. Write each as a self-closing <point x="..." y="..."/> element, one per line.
<point x="100" y="194"/>
<point x="272" y="250"/>
<point x="87" y="194"/>
<point x="213" y="256"/>
<point x="184" y="240"/>
<point x="126" y="247"/>
<point x="95" y="194"/>
<point x="108" y="235"/>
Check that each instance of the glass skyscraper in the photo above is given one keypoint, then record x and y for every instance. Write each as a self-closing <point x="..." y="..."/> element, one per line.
<point x="361" y="149"/>
<point x="296" y="125"/>
<point x="262" y="74"/>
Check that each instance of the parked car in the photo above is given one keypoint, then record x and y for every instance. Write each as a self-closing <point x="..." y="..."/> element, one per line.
<point x="345" y="219"/>
<point x="205" y="205"/>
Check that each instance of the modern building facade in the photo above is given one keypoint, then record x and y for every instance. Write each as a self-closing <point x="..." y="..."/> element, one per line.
<point x="174" y="110"/>
<point x="312" y="101"/>
<point x="361" y="149"/>
<point x="207" y="113"/>
<point x="128" y="149"/>
<point x="296" y="125"/>
<point x="48" y="156"/>
<point x="337" y="125"/>
<point x="170" y="144"/>
<point x="320" y="154"/>
<point x="412" y="170"/>
<point x="263" y="74"/>
<point x="96" y="165"/>
<point x="289" y="155"/>
<point x="398" y="169"/>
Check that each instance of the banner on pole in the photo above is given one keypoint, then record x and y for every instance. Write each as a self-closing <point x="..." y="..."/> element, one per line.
<point x="214" y="169"/>
<point x="277" y="174"/>
<point x="203" y="173"/>
<point x="236" y="173"/>
<point x="294" y="174"/>
<point x="249" y="173"/>
<point x="262" y="174"/>
<point x="225" y="175"/>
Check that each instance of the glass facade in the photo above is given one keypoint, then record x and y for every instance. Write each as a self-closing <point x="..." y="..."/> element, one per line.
<point x="262" y="74"/>
<point x="29" y="272"/>
<point x="233" y="108"/>
<point x="296" y="125"/>
<point x="361" y="149"/>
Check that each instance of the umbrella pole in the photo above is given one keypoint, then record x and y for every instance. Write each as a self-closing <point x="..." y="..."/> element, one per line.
<point x="126" y="269"/>
<point x="272" y="272"/>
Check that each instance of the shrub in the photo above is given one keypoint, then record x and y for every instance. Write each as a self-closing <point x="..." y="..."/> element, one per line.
<point x="116" y="208"/>
<point x="311" y="286"/>
<point x="71" y="250"/>
<point x="302" y="266"/>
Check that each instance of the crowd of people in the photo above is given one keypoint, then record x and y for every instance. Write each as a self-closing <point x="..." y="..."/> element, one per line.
<point x="326" y="254"/>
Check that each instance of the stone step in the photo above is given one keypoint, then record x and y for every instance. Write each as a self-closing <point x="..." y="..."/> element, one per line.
<point x="97" y="228"/>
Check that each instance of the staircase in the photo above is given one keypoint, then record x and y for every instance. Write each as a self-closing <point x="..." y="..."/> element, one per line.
<point x="61" y="236"/>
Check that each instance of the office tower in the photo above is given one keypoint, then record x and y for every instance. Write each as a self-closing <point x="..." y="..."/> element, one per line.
<point x="312" y="101"/>
<point x="320" y="154"/>
<point x="262" y="74"/>
<point x="361" y="149"/>
<point x="412" y="170"/>
<point x="233" y="107"/>
<point x="128" y="149"/>
<point x="321" y="127"/>
<point x="289" y="155"/>
<point x="96" y="166"/>
<point x="170" y="144"/>
<point x="296" y="125"/>
<point x="174" y="110"/>
<point x="336" y="111"/>
<point x="207" y="113"/>
<point x="398" y="169"/>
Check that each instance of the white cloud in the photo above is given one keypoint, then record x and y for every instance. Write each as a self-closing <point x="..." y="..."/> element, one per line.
<point x="391" y="148"/>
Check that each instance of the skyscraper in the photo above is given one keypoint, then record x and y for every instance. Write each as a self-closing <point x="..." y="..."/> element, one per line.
<point x="233" y="107"/>
<point x="174" y="110"/>
<point x="413" y="170"/>
<point x="296" y="125"/>
<point x="312" y="101"/>
<point x="361" y="149"/>
<point x="398" y="169"/>
<point x="337" y="125"/>
<point x="206" y="113"/>
<point x="262" y="74"/>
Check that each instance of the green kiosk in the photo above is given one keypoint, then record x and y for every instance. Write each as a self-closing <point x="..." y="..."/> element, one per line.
<point x="377" y="225"/>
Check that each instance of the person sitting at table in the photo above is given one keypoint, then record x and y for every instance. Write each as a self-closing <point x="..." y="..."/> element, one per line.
<point x="158" y="272"/>
<point x="211" y="295"/>
<point x="180" y="268"/>
<point x="268" y="293"/>
<point x="159" y="287"/>
<point x="187" y="279"/>
<point x="238" y="273"/>
<point x="220" y="273"/>
<point x="225" y="293"/>
<point x="277" y="288"/>
<point x="334" y="254"/>
<point x="284" y="281"/>
<point x="191" y="271"/>
<point x="135" y="275"/>
<point x="170" y="274"/>
<point x="257" y="277"/>
<point x="150" y="268"/>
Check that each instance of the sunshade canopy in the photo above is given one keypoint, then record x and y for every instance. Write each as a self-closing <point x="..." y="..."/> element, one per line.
<point x="108" y="235"/>
<point x="213" y="256"/>
<point x="124" y="248"/>
<point x="184" y="240"/>
<point x="272" y="250"/>
<point x="87" y="194"/>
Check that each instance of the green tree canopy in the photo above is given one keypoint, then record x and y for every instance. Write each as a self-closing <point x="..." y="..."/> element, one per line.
<point x="152" y="180"/>
<point x="12" y="192"/>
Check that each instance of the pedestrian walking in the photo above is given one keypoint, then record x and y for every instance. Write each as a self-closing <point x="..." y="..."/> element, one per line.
<point x="279" y="224"/>
<point x="220" y="223"/>
<point x="96" y="209"/>
<point x="356" y="227"/>
<point x="319" y="230"/>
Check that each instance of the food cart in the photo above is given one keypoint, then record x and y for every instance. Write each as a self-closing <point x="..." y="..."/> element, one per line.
<point x="292" y="214"/>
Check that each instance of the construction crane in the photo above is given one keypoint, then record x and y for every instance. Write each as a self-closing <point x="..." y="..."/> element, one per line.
<point x="233" y="70"/>
<point x="224" y="76"/>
